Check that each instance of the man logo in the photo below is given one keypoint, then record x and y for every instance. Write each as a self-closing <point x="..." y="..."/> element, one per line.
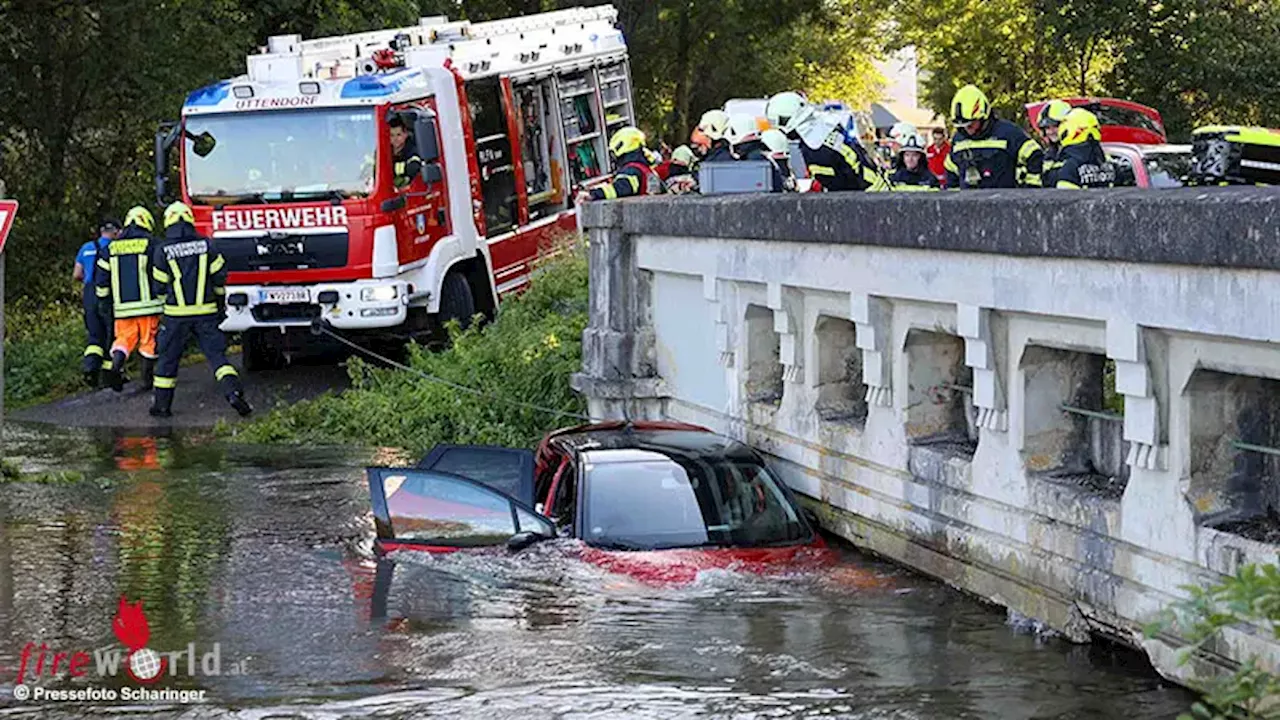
<point x="280" y="248"/>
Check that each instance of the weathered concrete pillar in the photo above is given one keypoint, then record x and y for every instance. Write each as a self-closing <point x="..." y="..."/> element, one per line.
<point x="619" y="377"/>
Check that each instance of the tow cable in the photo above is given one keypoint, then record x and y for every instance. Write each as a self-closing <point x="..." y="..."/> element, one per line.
<point x="319" y="326"/>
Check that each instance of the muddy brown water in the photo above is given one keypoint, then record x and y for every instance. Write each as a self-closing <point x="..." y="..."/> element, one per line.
<point x="263" y="554"/>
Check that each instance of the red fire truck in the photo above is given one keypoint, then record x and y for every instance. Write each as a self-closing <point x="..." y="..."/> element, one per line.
<point x="291" y="169"/>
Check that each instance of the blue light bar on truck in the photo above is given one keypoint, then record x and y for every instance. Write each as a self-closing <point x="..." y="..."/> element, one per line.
<point x="377" y="85"/>
<point x="210" y="94"/>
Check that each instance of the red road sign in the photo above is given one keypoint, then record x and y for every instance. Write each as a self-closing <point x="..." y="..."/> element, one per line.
<point x="8" y="211"/>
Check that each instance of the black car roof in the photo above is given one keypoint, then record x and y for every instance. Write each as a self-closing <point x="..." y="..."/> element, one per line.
<point x="666" y="441"/>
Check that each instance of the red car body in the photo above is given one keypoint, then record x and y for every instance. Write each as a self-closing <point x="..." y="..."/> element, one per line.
<point x="1122" y="121"/>
<point x="548" y="467"/>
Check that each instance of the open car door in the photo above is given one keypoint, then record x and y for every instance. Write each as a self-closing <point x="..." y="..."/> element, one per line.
<point x="415" y="508"/>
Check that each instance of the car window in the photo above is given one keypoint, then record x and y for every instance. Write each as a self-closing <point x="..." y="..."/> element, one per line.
<point x="566" y="499"/>
<point x="662" y="503"/>
<point x="417" y="506"/>
<point x="1167" y="170"/>
<point x="1112" y="115"/>
<point x="1125" y="176"/>
<point x="506" y="470"/>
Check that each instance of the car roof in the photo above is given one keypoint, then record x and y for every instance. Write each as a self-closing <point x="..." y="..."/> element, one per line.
<point x="665" y="438"/>
<point x="1163" y="149"/>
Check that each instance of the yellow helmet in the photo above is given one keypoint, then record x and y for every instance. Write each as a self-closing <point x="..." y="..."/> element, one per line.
<point x="176" y="213"/>
<point x="1053" y="114"/>
<point x="141" y="217"/>
<point x="969" y="105"/>
<point x="626" y="140"/>
<point x="1079" y="125"/>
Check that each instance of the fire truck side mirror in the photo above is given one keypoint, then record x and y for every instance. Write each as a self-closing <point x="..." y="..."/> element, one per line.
<point x="203" y="144"/>
<point x="424" y="133"/>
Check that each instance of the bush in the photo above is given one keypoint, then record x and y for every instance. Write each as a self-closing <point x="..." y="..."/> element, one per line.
<point x="1251" y="596"/>
<point x="43" y="346"/>
<point x="526" y="355"/>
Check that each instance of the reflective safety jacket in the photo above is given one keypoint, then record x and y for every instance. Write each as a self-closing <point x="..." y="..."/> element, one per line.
<point x="407" y="164"/>
<point x="1000" y="156"/>
<point x="124" y="274"/>
<point x="635" y="176"/>
<point x="920" y="179"/>
<point x="1085" y="166"/>
<point x="840" y="163"/>
<point x="190" y="271"/>
<point x="1052" y="162"/>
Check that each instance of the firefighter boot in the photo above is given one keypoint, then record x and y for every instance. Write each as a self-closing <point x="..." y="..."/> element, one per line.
<point x="92" y="376"/>
<point x="163" y="404"/>
<point x="115" y="378"/>
<point x="148" y="372"/>
<point x="242" y="406"/>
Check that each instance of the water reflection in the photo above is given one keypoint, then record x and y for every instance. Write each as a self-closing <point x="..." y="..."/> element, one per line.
<point x="266" y="553"/>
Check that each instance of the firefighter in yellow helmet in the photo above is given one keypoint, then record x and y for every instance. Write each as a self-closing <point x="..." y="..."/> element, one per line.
<point x="1084" y="163"/>
<point x="633" y="172"/>
<point x="191" y="275"/>
<point x="987" y="151"/>
<point x="123" y="280"/>
<point x="1051" y="115"/>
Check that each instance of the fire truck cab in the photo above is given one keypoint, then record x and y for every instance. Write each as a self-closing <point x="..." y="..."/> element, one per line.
<point x="292" y="169"/>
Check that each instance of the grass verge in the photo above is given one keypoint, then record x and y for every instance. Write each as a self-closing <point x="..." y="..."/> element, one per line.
<point x="527" y="354"/>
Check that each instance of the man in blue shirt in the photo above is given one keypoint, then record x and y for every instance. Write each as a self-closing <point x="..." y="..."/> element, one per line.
<point x="97" y="321"/>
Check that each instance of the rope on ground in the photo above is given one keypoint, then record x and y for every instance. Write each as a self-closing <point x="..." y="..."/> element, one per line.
<point x="432" y="378"/>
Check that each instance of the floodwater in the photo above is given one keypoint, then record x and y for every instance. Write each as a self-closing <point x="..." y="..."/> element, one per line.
<point x="264" y="554"/>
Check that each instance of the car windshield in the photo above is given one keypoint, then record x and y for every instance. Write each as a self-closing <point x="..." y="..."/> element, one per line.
<point x="280" y="156"/>
<point x="657" y="503"/>
<point x="1167" y="170"/>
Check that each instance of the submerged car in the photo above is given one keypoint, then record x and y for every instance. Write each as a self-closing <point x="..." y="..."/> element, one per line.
<point x="654" y="500"/>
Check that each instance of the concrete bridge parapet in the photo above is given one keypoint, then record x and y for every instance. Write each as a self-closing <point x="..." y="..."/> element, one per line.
<point x="1059" y="401"/>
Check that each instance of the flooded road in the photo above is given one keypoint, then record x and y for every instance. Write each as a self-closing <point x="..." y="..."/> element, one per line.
<point x="259" y="559"/>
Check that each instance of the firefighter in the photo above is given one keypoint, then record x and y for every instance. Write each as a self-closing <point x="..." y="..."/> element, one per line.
<point x="746" y="144"/>
<point x="407" y="163"/>
<point x="714" y="126"/>
<point x="1084" y="163"/>
<point x="911" y="168"/>
<point x="829" y="143"/>
<point x="988" y="152"/>
<point x="634" y="175"/>
<point x="192" y="275"/>
<point x="778" y="151"/>
<point x="123" y="280"/>
<point x="1050" y="117"/>
<point x="681" y="179"/>
<point x="97" y="316"/>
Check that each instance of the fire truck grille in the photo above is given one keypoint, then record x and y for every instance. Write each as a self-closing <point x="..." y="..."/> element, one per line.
<point x="284" y="252"/>
<point x="286" y="312"/>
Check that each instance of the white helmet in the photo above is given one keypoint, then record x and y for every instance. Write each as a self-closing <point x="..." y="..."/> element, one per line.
<point x="777" y="142"/>
<point x="913" y="143"/>
<point x="788" y="111"/>
<point x="901" y="131"/>
<point x="714" y="124"/>
<point x="742" y="129"/>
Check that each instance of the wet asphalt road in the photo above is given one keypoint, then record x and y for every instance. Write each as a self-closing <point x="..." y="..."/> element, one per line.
<point x="198" y="403"/>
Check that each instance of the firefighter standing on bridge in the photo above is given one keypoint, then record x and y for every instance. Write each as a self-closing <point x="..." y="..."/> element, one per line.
<point x="1084" y="162"/>
<point x="192" y="275"/>
<point x="829" y="143"/>
<point x="634" y="174"/>
<point x="987" y="151"/>
<point x="1050" y="118"/>
<point x="123" y="279"/>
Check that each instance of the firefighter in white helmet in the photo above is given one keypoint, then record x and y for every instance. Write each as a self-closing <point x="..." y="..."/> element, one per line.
<point x="634" y="174"/>
<point x="829" y="142"/>
<point x="911" y="168"/>
<point x="714" y="126"/>
<point x="745" y="141"/>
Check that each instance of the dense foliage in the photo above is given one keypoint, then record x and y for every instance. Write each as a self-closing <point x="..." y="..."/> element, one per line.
<point x="1197" y="61"/>
<point x="526" y="355"/>
<point x="42" y="348"/>
<point x="1251" y="596"/>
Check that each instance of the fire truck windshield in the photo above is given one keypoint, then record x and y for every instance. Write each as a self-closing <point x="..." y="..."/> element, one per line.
<point x="280" y="156"/>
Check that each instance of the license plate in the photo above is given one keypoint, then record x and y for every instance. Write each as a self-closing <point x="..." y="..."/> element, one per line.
<point x="284" y="295"/>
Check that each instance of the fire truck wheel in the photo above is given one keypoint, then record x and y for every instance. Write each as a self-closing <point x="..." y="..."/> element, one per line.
<point x="259" y="354"/>
<point x="456" y="302"/>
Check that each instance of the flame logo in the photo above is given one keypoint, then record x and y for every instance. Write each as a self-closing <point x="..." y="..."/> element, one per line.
<point x="133" y="631"/>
